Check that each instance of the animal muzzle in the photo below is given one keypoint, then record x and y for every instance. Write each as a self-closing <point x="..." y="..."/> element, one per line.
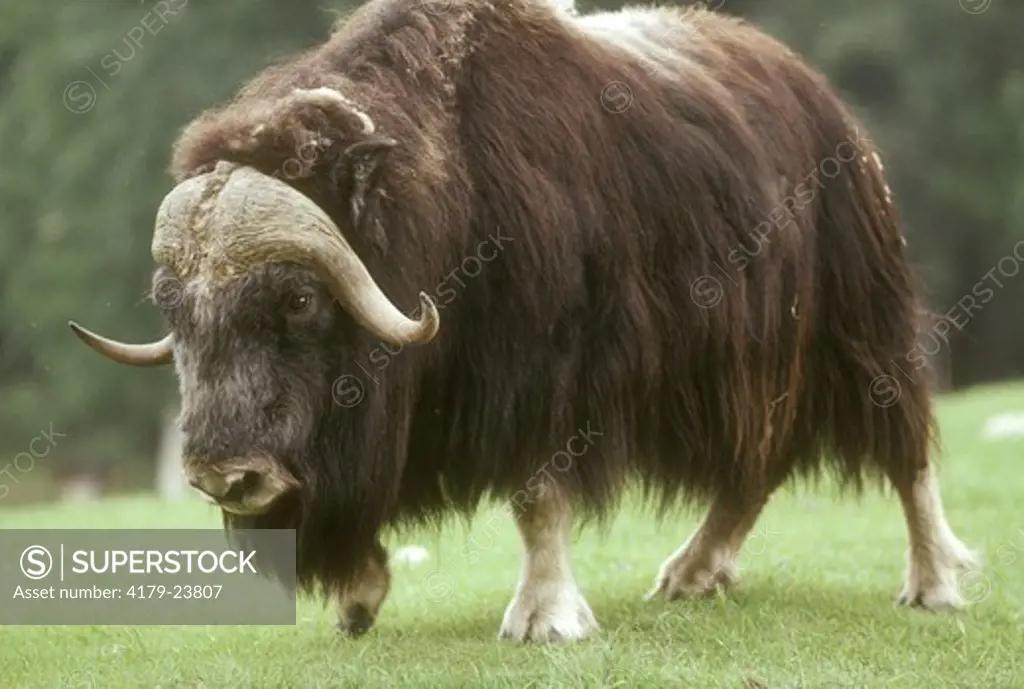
<point x="244" y="485"/>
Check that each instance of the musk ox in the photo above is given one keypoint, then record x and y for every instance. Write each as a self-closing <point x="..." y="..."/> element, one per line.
<point x="414" y="262"/>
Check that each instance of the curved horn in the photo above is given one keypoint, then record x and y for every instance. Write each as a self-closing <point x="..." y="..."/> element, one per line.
<point x="271" y="220"/>
<point x="152" y="354"/>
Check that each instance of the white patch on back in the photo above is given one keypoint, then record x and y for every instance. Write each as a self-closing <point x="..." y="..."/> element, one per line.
<point x="651" y="36"/>
<point x="565" y="6"/>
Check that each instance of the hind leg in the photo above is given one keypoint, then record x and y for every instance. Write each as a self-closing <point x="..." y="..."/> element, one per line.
<point x="707" y="561"/>
<point x="936" y="557"/>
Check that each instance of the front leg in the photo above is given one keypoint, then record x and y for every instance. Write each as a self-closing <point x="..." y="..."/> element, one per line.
<point x="358" y="604"/>
<point x="547" y="606"/>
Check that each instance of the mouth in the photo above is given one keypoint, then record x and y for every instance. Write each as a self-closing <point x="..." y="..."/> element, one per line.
<point x="243" y="486"/>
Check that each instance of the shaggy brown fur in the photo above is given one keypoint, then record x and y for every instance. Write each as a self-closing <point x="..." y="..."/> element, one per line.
<point x="597" y="311"/>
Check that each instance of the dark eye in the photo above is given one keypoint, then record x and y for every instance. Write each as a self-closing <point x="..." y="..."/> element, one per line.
<point x="300" y="302"/>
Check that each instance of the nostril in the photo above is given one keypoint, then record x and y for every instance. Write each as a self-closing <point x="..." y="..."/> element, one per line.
<point x="242" y="485"/>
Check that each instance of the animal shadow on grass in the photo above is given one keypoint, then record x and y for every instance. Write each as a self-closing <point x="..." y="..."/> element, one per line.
<point x="770" y="602"/>
<point x="687" y="620"/>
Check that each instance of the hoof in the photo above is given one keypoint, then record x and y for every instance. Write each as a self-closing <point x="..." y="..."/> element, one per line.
<point x="356" y="621"/>
<point x="683" y="577"/>
<point x="558" y="617"/>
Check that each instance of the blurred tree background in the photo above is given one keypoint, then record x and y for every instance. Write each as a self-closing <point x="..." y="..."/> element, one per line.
<point x="93" y="93"/>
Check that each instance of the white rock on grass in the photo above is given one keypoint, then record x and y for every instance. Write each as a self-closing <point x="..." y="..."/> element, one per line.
<point x="411" y="555"/>
<point x="1009" y="425"/>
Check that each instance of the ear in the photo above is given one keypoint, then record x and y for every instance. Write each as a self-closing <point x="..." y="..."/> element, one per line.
<point x="364" y="162"/>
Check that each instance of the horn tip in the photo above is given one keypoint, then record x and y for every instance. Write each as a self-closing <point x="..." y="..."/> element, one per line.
<point x="77" y="329"/>
<point x="431" y="319"/>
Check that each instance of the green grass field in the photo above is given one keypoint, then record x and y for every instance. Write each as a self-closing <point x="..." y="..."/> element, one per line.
<point x="814" y="607"/>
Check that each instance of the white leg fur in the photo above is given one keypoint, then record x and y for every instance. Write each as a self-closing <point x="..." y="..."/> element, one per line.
<point x="358" y="605"/>
<point x="547" y="606"/>
<point x="707" y="561"/>
<point x="936" y="557"/>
